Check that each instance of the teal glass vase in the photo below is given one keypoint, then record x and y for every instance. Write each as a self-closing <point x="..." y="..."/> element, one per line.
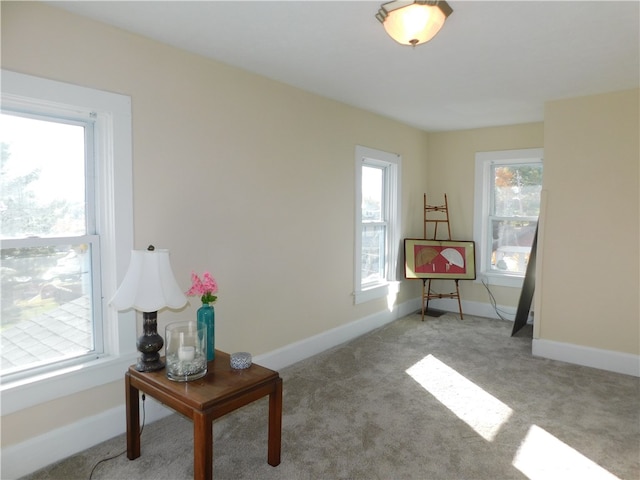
<point x="207" y="316"/>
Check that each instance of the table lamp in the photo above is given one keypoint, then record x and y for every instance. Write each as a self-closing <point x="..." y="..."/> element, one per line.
<point x="149" y="286"/>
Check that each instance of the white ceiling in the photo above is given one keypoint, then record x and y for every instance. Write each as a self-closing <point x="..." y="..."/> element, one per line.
<point x="493" y="63"/>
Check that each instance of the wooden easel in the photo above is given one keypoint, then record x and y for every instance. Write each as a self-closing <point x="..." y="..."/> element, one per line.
<point x="437" y="214"/>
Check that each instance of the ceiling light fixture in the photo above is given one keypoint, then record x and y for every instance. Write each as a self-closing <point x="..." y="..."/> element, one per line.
<point x="413" y="22"/>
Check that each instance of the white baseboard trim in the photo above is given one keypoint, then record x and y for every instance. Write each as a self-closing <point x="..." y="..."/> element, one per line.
<point x="295" y="352"/>
<point x="472" y="308"/>
<point x="71" y="439"/>
<point x="609" y="360"/>
<point x="19" y="460"/>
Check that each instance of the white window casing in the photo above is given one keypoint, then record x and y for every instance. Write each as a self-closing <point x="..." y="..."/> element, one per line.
<point x="111" y="116"/>
<point x="484" y="164"/>
<point x="389" y="221"/>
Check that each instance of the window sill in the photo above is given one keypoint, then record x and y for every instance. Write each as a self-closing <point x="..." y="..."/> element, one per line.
<point x="29" y="392"/>
<point x="501" y="280"/>
<point x="373" y="293"/>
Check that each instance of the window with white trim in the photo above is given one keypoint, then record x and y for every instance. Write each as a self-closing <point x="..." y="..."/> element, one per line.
<point x="66" y="235"/>
<point x="50" y="295"/>
<point x="507" y="206"/>
<point x="377" y="234"/>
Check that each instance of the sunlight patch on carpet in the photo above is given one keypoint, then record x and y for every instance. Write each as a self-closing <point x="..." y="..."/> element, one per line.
<point x="476" y="407"/>
<point x="541" y="456"/>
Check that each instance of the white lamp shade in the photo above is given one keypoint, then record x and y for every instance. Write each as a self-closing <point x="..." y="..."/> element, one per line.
<point x="414" y="24"/>
<point x="149" y="284"/>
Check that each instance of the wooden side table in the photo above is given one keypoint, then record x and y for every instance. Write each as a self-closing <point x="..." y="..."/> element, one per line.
<point x="221" y="391"/>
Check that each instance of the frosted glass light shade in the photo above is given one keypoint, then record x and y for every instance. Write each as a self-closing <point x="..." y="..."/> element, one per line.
<point x="413" y="22"/>
<point x="149" y="284"/>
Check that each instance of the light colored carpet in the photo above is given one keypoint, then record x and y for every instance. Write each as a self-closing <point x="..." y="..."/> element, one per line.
<point x="441" y="399"/>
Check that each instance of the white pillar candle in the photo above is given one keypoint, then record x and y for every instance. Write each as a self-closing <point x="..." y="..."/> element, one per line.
<point x="187" y="353"/>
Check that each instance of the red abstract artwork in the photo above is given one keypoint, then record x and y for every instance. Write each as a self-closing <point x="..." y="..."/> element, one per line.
<point x="439" y="259"/>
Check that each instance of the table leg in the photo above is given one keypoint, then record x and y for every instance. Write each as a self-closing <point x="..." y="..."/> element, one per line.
<point x="202" y="447"/>
<point x="275" y="424"/>
<point x="133" y="419"/>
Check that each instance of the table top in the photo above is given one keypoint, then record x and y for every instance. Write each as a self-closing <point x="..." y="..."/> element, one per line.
<point x="221" y="383"/>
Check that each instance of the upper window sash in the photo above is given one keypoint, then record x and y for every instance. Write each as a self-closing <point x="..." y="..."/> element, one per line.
<point x="20" y="107"/>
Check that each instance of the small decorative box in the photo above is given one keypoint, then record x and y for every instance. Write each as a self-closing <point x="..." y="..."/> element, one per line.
<point x="240" y="360"/>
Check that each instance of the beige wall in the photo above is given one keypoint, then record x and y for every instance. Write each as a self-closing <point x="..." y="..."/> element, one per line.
<point x="253" y="180"/>
<point x="248" y="178"/>
<point x="451" y="170"/>
<point x="587" y="284"/>
<point x="589" y="264"/>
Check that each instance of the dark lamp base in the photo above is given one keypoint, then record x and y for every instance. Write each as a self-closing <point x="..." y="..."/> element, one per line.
<point x="149" y="365"/>
<point x="149" y="344"/>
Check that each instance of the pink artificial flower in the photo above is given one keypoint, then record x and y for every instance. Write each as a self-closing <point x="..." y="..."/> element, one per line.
<point x="210" y="284"/>
<point x="204" y="289"/>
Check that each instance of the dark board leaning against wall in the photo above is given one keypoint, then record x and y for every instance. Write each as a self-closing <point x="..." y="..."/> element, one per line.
<point x="528" y="287"/>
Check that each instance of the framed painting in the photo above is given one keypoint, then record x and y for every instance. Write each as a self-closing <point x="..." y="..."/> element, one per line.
<point x="443" y="259"/>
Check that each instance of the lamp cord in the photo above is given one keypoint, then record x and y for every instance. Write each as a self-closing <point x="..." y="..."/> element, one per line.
<point x="121" y="453"/>
<point x="493" y="302"/>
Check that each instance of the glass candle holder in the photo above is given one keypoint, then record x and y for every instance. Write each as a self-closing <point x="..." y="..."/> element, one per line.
<point x="186" y="351"/>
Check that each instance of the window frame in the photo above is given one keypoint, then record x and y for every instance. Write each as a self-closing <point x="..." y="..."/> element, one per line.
<point x="30" y="110"/>
<point x="111" y="113"/>
<point x="484" y="161"/>
<point x="391" y="164"/>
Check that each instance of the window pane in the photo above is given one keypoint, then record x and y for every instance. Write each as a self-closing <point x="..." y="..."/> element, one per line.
<point x="46" y="305"/>
<point x="512" y="242"/>
<point x="516" y="191"/>
<point x="43" y="178"/>
<point x="373" y="253"/>
<point x="372" y="194"/>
